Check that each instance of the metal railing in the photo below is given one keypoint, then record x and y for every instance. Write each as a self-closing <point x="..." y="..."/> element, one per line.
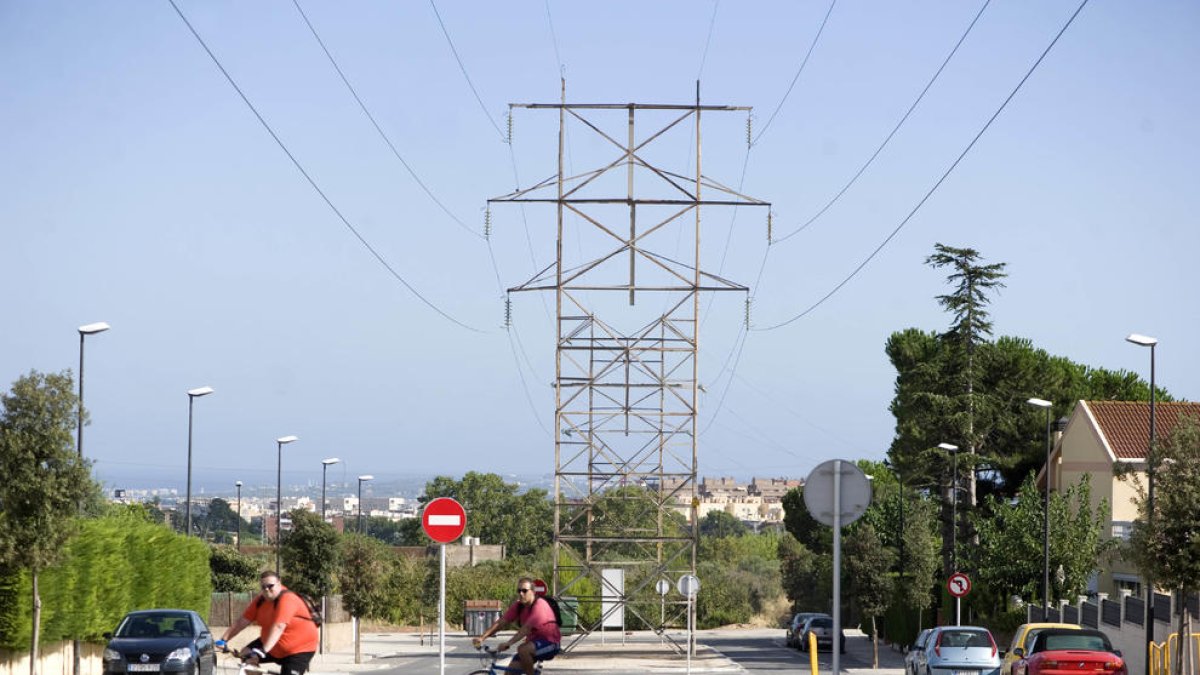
<point x="1162" y="653"/>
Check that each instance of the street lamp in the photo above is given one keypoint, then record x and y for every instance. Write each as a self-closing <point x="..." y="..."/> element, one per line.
<point x="325" y="465"/>
<point x="280" y="442"/>
<point x="1043" y="403"/>
<point x="953" y="450"/>
<point x="84" y="331"/>
<point x="361" y="480"/>
<point x="193" y="394"/>
<point x="1146" y="341"/>
<point x="239" y="515"/>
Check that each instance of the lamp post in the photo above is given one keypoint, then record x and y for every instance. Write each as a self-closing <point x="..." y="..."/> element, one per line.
<point x="193" y="394"/>
<point x="239" y="515"/>
<point x="1043" y="403"/>
<point x="84" y="331"/>
<point x="324" y="466"/>
<point x="1146" y="341"/>
<point x="280" y="442"/>
<point x="953" y="450"/>
<point x="361" y="480"/>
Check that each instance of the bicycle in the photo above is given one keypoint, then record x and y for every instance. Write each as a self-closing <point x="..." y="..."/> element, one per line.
<point x="244" y="666"/>
<point x="488" y="658"/>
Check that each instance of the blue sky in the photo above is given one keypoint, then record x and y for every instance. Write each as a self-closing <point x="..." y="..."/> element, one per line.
<point x="140" y="190"/>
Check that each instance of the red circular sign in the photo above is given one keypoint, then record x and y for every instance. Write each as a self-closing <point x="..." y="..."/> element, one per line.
<point x="958" y="584"/>
<point x="444" y="520"/>
<point x="539" y="587"/>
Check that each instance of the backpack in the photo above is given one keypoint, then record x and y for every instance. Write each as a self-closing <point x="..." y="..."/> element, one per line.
<point x="553" y="602"/>
<point x="314" y="614"/>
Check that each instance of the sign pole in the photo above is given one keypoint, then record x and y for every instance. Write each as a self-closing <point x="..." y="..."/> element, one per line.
<point x="442" y="613"/>
<point x="837" y="567"/>
<point x="691" y="636"/>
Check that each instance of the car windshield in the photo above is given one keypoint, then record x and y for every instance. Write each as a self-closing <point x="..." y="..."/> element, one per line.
<point x="821" y="622"/>
<point x="1084" y="641"/>
<point x="156" y="625"/>
<point x="965" y="638"/>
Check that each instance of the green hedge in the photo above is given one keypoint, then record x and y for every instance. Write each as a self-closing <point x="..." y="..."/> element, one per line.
<point x="115" y="564"/>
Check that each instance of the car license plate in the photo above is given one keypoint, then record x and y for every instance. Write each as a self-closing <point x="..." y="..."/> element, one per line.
<point x="964" y="672"/>
<point x="143" y="667"/>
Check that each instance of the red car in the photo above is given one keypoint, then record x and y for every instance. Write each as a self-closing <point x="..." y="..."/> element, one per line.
<point x="1065" y="651"/>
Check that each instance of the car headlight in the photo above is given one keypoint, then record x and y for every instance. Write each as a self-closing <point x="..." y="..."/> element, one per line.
<point x="181" y="654"/>
<point x="111" y="654"/>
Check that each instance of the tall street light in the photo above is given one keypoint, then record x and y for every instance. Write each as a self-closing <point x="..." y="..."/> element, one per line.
<point x="280" y="442"/>
<point x="361" y="480"/>
<point x="239" y="515"/>
<point x="193" y="394"/>
<point x="1146" y="341"/>
<point x="84" y="331"/>
<point x="1043" y="403"/>
<point x="953" y="450"/>
<point x="324" y="466"/>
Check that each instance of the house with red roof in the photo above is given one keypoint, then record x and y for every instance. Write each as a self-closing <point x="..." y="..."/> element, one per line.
<point x="1099" y="437"/>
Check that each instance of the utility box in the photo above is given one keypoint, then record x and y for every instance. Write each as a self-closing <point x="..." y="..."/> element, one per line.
<point x="478" y="615"/>
<point x="569" y="608"/>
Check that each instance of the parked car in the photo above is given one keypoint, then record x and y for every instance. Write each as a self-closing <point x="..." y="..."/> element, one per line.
<point x="161" y="641"/>
<point x="959" y="650"/>
<point x="796" y="625"/>
<point x="1084" y="651"/>
<point x="914" y="650"/>
<point x="1023" y="637"/>
<point x="822" y="628"/>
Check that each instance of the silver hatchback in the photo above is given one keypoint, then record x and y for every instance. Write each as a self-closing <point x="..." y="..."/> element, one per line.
<point x="959" y="650"/>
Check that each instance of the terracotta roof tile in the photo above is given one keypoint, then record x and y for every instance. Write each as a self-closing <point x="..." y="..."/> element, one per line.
<point x="1126" y="424"/>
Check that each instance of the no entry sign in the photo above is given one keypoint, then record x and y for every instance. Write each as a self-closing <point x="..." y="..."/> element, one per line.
<point x="958" y="584"/>
<point x="444" y="520"/>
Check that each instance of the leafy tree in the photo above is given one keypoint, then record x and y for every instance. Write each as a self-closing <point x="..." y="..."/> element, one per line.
<point x="404" y="532"/>
<point x="1169" y="551"/>
<point x="309" y="553"/>
<point x="1008" y="559"/>
<point x="362" y="576"/>
<point x="799" y="522"/>
<point x="220" y="523"/>
<point x="496" y="513"/>
<point x="742" y="578"/>
<point x="233" y="572"/>
<point x="45" y="480"/>
<point x="868" y="564"/>
<point x="919" y="562"/>
<point x="805" y="576"/>
<point x="721" y="524"/>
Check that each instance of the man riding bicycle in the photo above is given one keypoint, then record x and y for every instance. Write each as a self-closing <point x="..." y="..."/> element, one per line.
<point x="537" y="630"/>
<point x="287" y="636"/>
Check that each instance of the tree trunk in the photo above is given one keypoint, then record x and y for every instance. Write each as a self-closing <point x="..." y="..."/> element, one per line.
<point x="37" y="620"/>
<point x="1183" y="645"/>
<point x="874" y="645"/>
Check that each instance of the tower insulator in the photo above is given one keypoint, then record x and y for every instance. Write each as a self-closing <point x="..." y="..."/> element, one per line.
<point x="487" y="222"/>
<point x="510" y="125"/>
<point x="507" y="312"/>
<point x="749" y="300"/>
<point x="770" y="224"/>
<point x="749" y="131"/>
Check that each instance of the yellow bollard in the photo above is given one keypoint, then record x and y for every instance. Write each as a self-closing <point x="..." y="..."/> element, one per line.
<point x="812" y="652"/>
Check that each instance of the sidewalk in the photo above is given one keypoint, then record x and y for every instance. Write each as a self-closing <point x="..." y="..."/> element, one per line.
<point x="642" y="651"/>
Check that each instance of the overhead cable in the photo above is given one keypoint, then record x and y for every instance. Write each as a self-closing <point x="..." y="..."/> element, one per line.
<point x="313" y="183"/>
<point x="798" y="72"/>
<point x="378" y="129"/>
<point x="939" y="182"/>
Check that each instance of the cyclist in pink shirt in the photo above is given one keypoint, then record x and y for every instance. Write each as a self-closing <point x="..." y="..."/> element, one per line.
<point x="537" y="631"/>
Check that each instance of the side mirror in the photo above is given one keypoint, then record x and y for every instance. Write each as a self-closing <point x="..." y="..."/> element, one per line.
<point x="106" y="636"/>
<point x="1003" y="653"/>
<point x="1019" y="652"/>
<point x="205" y="634"/>
<point x="1118" y="653"/>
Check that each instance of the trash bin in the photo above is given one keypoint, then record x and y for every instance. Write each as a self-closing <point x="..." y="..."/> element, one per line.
<point x="478" y="615"/>
<point x="568" y="607"/>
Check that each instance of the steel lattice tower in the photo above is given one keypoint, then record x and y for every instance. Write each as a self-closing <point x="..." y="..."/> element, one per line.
<point x="625" y="450"/>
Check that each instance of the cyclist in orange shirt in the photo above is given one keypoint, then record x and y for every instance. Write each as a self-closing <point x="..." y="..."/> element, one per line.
<point x="288" y="636"/>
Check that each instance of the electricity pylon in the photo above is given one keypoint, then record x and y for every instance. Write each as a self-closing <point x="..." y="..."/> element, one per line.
<point x="626" y="375"/>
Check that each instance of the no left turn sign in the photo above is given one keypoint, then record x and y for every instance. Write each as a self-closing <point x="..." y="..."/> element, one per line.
<point x="958" y="584"/>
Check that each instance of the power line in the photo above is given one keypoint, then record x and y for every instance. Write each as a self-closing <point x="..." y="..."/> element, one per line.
<point x="375" y="124"/>
<point x="707" y="41"/>
<point x="798" y="71"/>
<point x="463" y="68"/>
<point x="939" y="182"/>
<point x="882" y="145"/>
<point x="299" y="167"/>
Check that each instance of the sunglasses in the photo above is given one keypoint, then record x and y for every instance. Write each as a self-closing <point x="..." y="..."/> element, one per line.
<point x="267" y="587"/>
<point x="524" y="590"/>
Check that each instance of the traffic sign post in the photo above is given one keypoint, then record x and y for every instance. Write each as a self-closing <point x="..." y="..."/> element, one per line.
<point x="444" y="520"/>
<point x="688" y="586"/>
<point x="539" y="588"/>
<point x="663" y="587"/>
<point x="958" y="584"/>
